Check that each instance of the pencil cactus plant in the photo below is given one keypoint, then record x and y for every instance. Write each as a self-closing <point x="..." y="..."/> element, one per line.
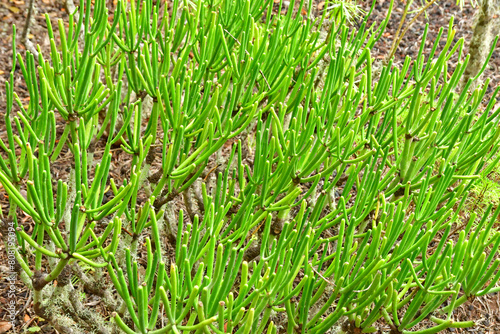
<point x="276" y="181"/>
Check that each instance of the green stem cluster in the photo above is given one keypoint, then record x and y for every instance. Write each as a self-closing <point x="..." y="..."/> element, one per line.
<point x="338" y="191"/>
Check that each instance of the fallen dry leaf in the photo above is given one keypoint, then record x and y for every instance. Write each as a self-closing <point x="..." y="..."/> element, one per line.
<point x="14" y="9"/>
<point x="321" y="5"/>
<point x="5" y="326"/>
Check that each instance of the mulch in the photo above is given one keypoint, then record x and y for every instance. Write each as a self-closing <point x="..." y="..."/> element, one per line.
<point x="484" y="311"/>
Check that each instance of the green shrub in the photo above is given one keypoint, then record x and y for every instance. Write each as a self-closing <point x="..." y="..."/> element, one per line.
<point x="277" y="181"/>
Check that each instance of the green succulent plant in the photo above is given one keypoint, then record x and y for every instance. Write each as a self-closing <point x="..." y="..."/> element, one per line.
<point x="274" y="172"/>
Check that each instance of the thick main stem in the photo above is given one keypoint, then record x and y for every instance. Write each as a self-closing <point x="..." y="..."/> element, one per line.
<point x="483" y="34"/>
